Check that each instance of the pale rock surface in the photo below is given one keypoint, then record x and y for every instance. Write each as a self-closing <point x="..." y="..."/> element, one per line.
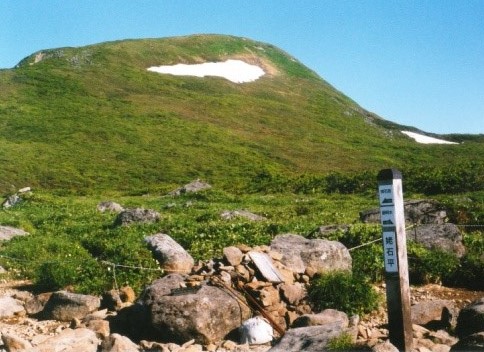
<point x="170" y="255"/>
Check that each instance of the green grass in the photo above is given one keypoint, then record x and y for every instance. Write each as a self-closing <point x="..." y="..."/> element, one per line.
<point x="71" y="243"/>
<point x="93" y="119"/>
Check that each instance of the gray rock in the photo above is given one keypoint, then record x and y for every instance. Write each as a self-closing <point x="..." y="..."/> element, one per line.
<point x="118" y="343"/>
<point x="426" y="211"/>
<point x="293" y="293"/>
<point x="78" y="340"/>
<point x="327" y="316"/>
<point x="232" y="255"/>
<point x="136" y="215"/>
<point x="308" y="339"/>
<point x="229" y="215"/>
<point x="302" y="255"/>
<point x="471" y="319"/>
<point x="15" y="344"/>
<point x="109" y="206"/>
<point x="37" y="303"/>
<point x="7" y="233"/>
<point x="11" y="201"/>
<point x="192" y="187"/>
<point x="384" y="347"/>
<point x="66" y="306"/>
<point x="438" y="313"/>
<point x="170" y="255"/>
<point x="330" y="229"/>
<point x="9" y="307"/>
<point x="474" y="342"/>
<point x="444" y="237"/>
<point x="206" y="314"/>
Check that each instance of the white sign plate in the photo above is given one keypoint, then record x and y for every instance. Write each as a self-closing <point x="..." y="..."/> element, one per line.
<point x="387" y="215"/>
<point x="385" y="193"/>
<point x="390" y="251"/>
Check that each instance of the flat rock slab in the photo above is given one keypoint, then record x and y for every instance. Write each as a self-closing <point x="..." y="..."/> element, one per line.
<point x="7" y="233"/>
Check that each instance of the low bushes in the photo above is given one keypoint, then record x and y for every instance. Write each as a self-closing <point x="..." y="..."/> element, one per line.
<point x="343" y="291"/>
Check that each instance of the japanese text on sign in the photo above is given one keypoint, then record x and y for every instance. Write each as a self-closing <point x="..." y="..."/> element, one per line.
<point x="390" y="251"/>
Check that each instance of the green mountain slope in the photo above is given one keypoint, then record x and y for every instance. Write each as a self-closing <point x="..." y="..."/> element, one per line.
<point x="93" y="118"/>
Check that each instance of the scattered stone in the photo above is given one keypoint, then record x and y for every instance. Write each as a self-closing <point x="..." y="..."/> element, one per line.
<point x="256" y="331"/>
<point x="308" y="339"/>
<point x="471" y="319"/>
<point x="65" y="306"/>
<point x="11" y="201"/>
<point x="68" y="340"/>
<point x="37" y="303"/>
<point x="436" y="312"/>
<point x="192" y="187"/>
<point x="8" y="232"/>
<point x="233" y="255"/>
<point x="303" y="255"/>
<point x="136" y="215"/>
<point x="384" y="347"/>
<point x="230" y="215"/>
<point x="14" y="343"/>
<point x="9" y="307"/>
<point x="118" y="343"/>
<point x="170" y="255"/>
<point x="327" y="316"/>
<point x="474" y="342"/>
<point x="109" y="206"/>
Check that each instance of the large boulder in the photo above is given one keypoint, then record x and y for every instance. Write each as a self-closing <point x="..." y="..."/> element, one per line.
<point x="205" y="313"/>
<point x="302" y="255"/>
<point x="8" y="232"/>
<point x="443" y="237"/>
<point x="425" y="211"/>
<point x="136" y="215"/>
<point x="437" y="313"/>
<point x="66" y="306"/>
<point x="471" y="319"/>
<point x="170" y="255"/>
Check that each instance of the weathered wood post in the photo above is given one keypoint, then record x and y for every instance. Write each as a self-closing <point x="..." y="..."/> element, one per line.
<point x="395" y="257"/>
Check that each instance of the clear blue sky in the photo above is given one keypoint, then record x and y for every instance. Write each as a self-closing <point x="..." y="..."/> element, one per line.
<point x="418" y="63"/>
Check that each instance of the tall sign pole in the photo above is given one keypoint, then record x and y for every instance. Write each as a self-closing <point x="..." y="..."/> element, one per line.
<point x="395" y="257"/>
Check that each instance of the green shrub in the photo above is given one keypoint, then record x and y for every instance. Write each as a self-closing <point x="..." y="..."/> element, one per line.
<point x="343" y="291"/>
<point x="343" y="342"/>
<point x="430" y="266"/>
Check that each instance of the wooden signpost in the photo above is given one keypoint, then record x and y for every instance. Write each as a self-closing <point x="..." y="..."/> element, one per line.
<point x="395" y="257"/>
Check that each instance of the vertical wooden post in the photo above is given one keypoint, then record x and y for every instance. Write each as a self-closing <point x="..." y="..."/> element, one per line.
<point x="395" y="257"/>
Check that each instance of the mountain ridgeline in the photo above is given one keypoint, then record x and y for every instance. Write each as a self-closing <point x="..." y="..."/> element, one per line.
<point x="93" y="119"/>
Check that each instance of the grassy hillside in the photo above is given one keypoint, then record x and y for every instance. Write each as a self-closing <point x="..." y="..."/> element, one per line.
<point x="93" y="119"/>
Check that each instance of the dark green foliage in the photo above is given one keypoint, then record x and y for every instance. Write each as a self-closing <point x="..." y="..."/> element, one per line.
<point x="343" y="291"/>
<point x="430" y="266"/>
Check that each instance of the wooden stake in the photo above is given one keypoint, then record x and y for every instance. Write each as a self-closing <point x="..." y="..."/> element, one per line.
<point x="395" y="257"/>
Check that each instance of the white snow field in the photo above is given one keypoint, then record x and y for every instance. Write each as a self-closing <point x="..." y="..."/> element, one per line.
<point x="236" y="71"/>
<point x="420" y="138"/>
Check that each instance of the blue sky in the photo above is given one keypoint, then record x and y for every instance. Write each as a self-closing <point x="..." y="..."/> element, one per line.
<point x="418" y="63"/>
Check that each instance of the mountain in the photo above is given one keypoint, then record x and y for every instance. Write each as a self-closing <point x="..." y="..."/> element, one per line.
<point x="94" y="118"/>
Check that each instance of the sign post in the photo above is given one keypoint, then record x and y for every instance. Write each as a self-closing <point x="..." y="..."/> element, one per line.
<point x="395" y="257"/>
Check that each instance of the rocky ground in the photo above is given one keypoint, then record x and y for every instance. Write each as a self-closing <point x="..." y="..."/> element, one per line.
<point x="372" y="329"/>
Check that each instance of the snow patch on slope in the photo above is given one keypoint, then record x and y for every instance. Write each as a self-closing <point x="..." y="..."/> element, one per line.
<point x="236" y="71"/>
<point x="420" y="138"/>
